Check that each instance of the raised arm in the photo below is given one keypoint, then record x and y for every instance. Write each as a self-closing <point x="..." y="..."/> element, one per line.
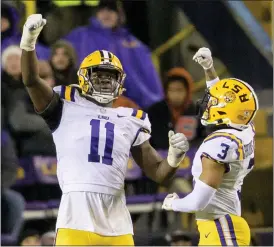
<point x="154" y="166"/>
<point x="40" y="93"/>
<point x="204" y="58"/>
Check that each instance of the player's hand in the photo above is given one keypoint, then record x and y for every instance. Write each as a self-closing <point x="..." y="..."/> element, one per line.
<point x="204" y="58"/>
<point x="178" y="146"/>
<point x="32" y="28"/>
<point x="167" y="204"/>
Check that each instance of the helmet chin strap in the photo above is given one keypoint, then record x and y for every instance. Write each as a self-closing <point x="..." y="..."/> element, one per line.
<point x="228" y="123"/>
<point x="95" y="97"/>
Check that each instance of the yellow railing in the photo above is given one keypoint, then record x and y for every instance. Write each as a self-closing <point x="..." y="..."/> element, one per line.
<point x="177" y="38"/>
<point x="30" y="7"/>
<point x="31" y="4"/>
<point x="70" y="3"/>
<point x="259" y="9"/>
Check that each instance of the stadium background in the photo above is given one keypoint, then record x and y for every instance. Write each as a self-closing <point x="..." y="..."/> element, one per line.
<point x="239" y="35"/>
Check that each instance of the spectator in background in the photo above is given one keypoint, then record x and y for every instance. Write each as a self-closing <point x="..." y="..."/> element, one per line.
<point x="63" y="63"/>
<point x="176" y="112"/>
<point x="30" y="237"/>
<point x="11" y="74"/>
<point x="46" y="73"/>
<point x="30" y="131"/>
<point x="105" y="32"/>
<point x="9" y="30"/>
<point x="12" y="203"/>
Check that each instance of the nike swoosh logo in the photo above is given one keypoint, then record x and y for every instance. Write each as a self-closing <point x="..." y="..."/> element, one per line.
<point x="206" y="236"/>
<point x="120" y="116"/>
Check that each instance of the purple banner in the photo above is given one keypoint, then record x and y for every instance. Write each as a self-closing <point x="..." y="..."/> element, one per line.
<point x="133" y="170"/>
<point x="186" y="165"/>
<point x="45" y="169"/>
<point x="25" y="173"/>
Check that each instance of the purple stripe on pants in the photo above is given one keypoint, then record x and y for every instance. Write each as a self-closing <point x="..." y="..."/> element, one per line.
<point x="231" y="229"/>
<point x="220" y="232"/>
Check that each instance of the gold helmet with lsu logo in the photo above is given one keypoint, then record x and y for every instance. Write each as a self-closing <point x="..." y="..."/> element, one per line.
<point x="101" y="77"/>
<point x="231" y="102"/>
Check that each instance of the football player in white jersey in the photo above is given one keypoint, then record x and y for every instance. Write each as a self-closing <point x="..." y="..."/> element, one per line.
<point x="93" y="142"/>
<point x="222" y="161"/>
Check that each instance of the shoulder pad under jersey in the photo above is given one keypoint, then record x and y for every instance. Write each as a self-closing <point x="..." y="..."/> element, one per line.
<point x="66" y="92"/>
<point x="145" y="125"/>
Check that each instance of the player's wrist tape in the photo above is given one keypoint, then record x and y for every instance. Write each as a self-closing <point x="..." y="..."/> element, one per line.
<point x="212" y="82"/>
<point x="29" y="38"/>
<point x="208" y="66"/>
<point x="174" y="161"/>
<point x="197" y="200"/>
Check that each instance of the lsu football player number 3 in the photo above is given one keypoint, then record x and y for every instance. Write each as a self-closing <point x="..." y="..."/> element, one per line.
<point x="93" y="142"/>
<point x="222" y="161"/>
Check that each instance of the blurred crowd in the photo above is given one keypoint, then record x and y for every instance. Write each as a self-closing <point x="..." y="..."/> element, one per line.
<point x="167" y="100"/>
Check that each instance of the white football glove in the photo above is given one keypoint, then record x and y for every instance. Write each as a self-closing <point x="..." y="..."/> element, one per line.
<point x="204" y="58"/>
<point x="167" y="204"/>
<point x="31" y="31"/>
<point x="178" y="146"/>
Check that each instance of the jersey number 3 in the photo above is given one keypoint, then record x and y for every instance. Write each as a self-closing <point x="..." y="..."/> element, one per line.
<point x="94" y="143"/>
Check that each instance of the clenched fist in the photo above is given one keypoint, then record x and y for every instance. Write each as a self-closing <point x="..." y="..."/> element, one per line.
<point x="178" y="146"/>
<point x="204" y="58"/>
<point x="167" y="204"/>
<point x="31" y="31"/>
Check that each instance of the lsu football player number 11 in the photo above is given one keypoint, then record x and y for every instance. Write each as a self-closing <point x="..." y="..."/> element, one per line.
<point x="93" y="142"/>
<point x="223" y="159"/>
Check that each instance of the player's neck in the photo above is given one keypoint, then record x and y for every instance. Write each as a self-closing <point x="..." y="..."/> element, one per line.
<point x="213" y="128"/>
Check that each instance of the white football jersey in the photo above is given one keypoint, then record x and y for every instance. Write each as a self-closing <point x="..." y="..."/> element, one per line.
<point x="234" y="149"/>
<point x="93" y="143"/>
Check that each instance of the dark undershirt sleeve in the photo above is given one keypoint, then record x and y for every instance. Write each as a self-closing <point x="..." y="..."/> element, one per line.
<point x="53" y="113"/>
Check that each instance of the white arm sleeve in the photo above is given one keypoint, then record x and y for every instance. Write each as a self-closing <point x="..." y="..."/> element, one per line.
<point x="212" y="82"/>
<point x="197" y="200"/>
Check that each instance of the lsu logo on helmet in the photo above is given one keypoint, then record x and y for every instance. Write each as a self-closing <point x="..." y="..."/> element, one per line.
<point x="230" y="101"/>
<point x="91" y="84"/>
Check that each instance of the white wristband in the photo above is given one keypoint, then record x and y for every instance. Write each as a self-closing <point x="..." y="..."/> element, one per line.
<point x="212" y="82"/>
<point x="173" y="161"/>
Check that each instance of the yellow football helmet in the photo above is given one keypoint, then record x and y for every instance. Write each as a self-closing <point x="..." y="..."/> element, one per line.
<point x="231" y="102"/>
<point x="101" y="77"/>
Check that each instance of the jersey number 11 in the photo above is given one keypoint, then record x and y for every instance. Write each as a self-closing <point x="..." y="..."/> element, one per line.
<point x="94" y="143"/>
